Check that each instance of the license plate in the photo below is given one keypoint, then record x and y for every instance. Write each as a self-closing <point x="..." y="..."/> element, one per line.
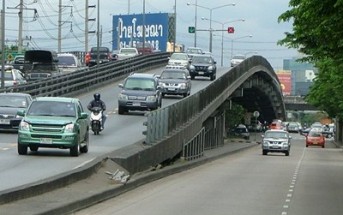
<point x="171" y="89"/>
<point x="201" y="73"/>
<point x="5" y="121"/>
<point x="45" y="140"/>
<point x="136" y="104"/>
<point x="315" y="143"/>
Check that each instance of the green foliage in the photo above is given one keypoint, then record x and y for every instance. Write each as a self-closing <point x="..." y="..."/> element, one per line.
<point x="234" y="116"/>
<point x="318" y="33"/>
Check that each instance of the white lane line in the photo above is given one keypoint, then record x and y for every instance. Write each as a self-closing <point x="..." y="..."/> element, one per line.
<point x="84" y="163"/>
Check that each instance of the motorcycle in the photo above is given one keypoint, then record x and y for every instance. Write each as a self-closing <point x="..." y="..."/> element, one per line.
<point x="96" y="120"/>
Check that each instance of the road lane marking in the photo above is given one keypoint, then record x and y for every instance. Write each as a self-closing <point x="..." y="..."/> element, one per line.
<point x="84" y="163"/>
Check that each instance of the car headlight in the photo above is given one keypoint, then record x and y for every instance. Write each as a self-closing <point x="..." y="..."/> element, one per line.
<point x="210" y="68"/>
<point x="265" y="143"/>
<point x="123" y="96"/>
<point x="162" y="84"/>
<point x="151" y="98"/>
<point x="69" y="128"/>
<point x="24" y="126"/>
<point x="285" y="144"/>
<point x="191" y="67"/>
<point x="183" y="85"/>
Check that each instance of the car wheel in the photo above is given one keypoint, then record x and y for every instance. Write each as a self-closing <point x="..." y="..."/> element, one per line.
<point x="22" y="149"/>
<point x="323" y="146"/>
<point x="185" y="94"/>
<point x="306" y="145"/>
<point x="192" y="77"/>
<point x="264" y="152"/>
<point x="84" y="149"/>
<point x="163" y="94"/>
<point x="75" y="150"/>
<point x="287" y="153"/>
<point x="121" y="110"/>
<point x="213" y="77"/>
<point x="34" y="148"/>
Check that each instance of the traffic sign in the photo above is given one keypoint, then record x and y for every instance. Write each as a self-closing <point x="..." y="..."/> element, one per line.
<point x="256" y="114"/>
<point x="230" y="30"/>
<point x="191" y="29"/>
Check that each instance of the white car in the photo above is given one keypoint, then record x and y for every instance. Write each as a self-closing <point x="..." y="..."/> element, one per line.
<point x="125" y="53"/>
<point x="237" y="59"/>
<point x="13" y="77"/>
<point x="179" y="59"/>
<point x="68" y="62"/>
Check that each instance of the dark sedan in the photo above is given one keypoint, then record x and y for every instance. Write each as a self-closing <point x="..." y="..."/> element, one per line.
<point x="10" y="103"/>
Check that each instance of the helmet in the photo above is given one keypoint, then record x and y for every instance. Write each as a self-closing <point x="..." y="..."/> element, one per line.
<point x="97" y="96"/>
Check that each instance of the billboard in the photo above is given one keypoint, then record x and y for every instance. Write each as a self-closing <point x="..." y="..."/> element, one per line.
<point x="285" y="81"/>
<point x="128" y="30"/>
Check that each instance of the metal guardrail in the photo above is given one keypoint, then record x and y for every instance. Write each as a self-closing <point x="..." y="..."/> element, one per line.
<point x="90" y="78"/>
<point x="294" y="99"/>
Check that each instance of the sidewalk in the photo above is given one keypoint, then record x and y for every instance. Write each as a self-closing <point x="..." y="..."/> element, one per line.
<point x="99" y="187"/>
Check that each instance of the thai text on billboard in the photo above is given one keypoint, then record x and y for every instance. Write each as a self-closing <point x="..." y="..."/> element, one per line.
<point x="128" y="30"/>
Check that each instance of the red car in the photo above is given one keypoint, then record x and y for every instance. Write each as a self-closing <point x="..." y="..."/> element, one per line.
<point x="315" y="138"/>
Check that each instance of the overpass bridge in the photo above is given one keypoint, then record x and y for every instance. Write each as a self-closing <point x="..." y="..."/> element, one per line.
<point x="297" y="103"/>
<point x="253" y="84"/>
<point x="184" y="129"/>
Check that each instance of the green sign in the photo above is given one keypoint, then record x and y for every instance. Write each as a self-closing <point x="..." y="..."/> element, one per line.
<point x="191" y="29"/>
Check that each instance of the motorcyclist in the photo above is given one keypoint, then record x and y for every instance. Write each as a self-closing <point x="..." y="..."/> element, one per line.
<point x="97" y="102"/>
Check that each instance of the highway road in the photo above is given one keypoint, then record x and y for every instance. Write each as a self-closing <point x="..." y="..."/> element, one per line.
<point x="120" y="130"/>
<point x="308" y="182"/>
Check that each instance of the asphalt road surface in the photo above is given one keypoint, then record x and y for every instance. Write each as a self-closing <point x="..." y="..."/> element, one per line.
<point x="308" y="182"/>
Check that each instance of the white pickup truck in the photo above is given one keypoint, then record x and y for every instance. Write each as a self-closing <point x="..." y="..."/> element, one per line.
<point x="125" y="53"/>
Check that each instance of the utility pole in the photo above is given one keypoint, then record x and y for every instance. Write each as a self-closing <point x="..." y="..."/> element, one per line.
<point x="3" y="45"/>
<point x="21" y="8"/>
<point x="20" y="33"/>
<point x="60" y="23"/>
<point x="87" y="20"/>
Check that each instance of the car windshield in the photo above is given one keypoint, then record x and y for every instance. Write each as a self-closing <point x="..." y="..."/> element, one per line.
<point x="128" y="51"/>
<point x="13" y="101"/>
<point x="179" y="57"/>
<point x="66" y="61"/>
<point x="276" y="135"/>
<point x="52" y="108"/>
<point x="315" y="134"/>
<point x="139" y="84"/>
<point x="194" y="51"/>
<point x="173" y="75"/>
<point x="201" y="59"/>
<point x="8" y="75"/>
<point x="239" y="57"/>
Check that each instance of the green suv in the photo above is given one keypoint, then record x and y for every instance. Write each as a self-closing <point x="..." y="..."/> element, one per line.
<point x="54" y="122"/>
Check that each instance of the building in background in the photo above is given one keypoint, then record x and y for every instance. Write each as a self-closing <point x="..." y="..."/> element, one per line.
<point x="128" y="30"/>
<point x="302" y="75"/>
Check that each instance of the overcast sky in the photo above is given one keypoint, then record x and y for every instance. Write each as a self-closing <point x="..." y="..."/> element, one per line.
<point x="260" y="22"/>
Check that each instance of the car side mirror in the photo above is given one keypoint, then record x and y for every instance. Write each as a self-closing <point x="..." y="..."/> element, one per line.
<point x="21" y="112"/>
<point x="121" y="86"/>
<point x="84" y="115"/>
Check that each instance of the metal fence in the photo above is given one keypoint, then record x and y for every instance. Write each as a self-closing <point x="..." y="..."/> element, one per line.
<point x="90" y="78"/>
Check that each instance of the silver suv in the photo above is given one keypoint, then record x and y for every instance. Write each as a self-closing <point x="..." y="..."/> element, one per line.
<point x="175" y="81"/>
<point x="139" y="92"/>
<point x="276" y="141"/>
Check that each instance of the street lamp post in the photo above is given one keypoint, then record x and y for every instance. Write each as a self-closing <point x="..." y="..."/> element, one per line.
<point x="210" y="9"/>
<point x="195" y="21"/>
<point x="222" y="30"/>
<point x="237" y="39"/>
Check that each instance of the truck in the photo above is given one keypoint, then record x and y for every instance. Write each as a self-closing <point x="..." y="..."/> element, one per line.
<point x="43" y="64"/>
<point x="91" y="57"/>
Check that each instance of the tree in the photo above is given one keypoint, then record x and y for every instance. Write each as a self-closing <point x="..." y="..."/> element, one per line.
<point x="318" y="33"/>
